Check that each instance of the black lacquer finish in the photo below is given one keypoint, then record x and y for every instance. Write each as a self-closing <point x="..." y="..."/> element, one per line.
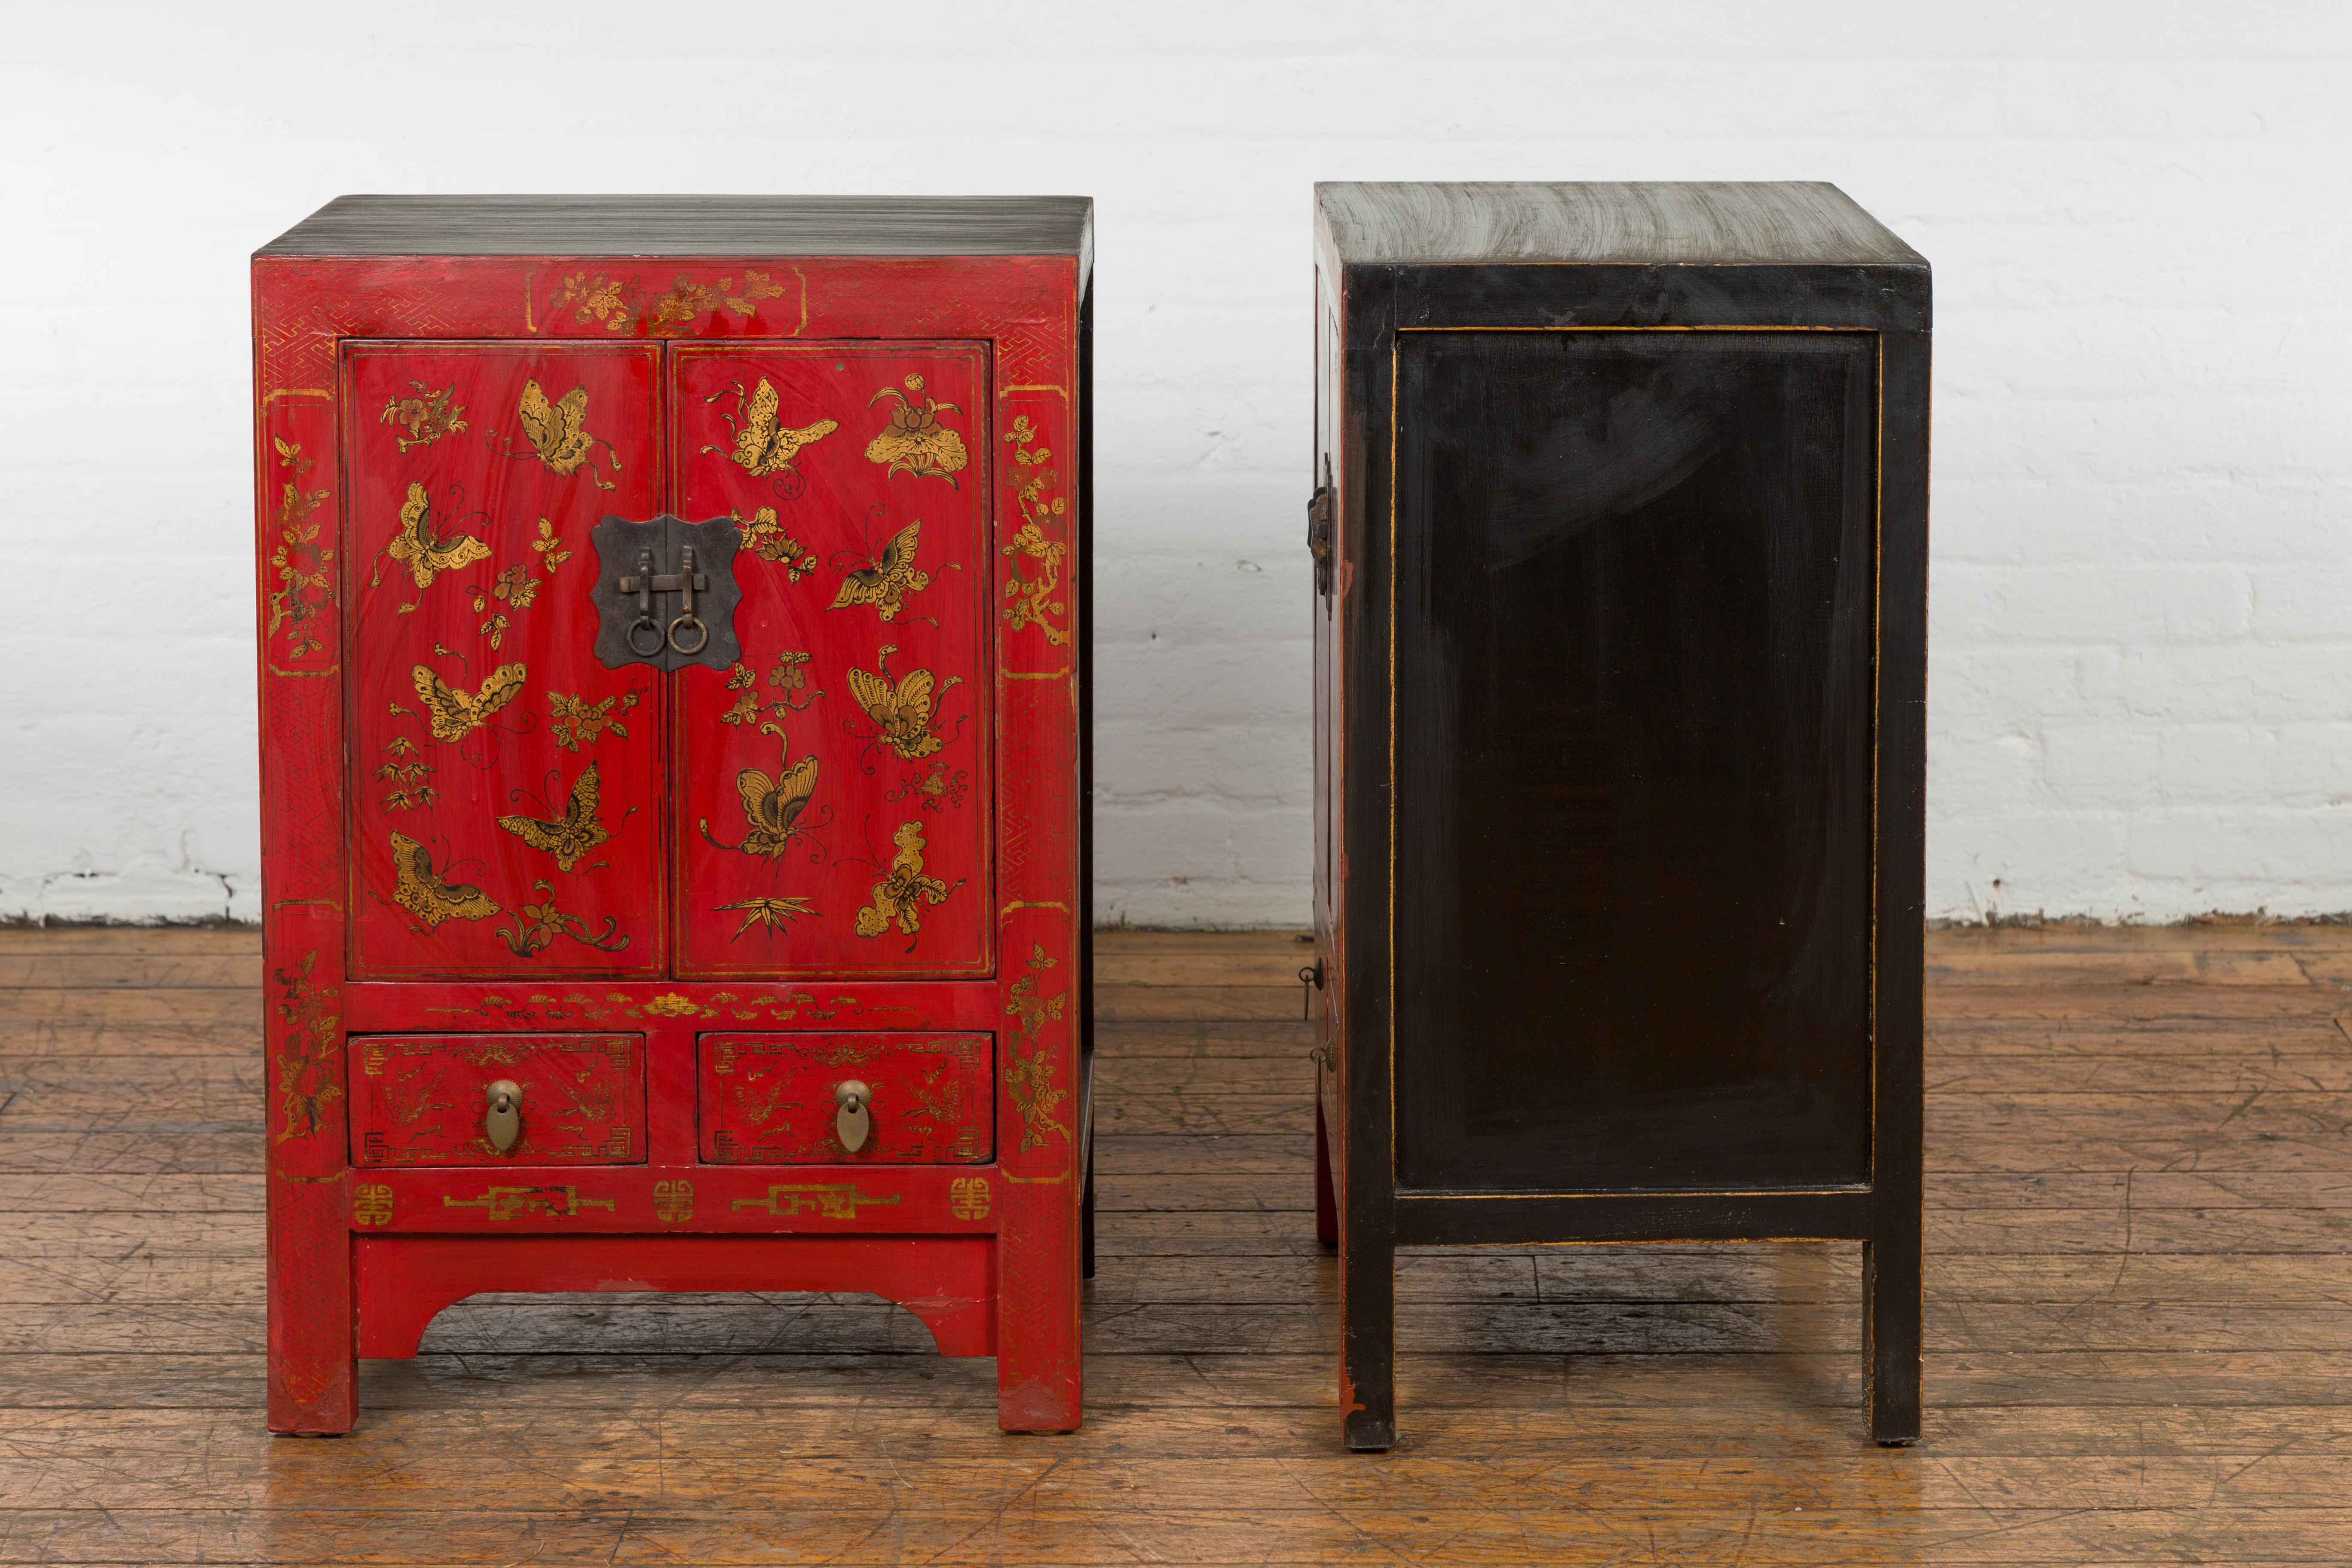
<point x="1620" y="739"/>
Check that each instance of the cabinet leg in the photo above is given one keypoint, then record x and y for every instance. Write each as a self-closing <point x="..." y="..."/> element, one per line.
<point x="1038" y="1382"/>
<point x="1891" y="1283"/>
<point x="1326" y="1201"/>
<point x="1368" y="1339"/>
<point x="313" y="1359"/>
<point x="1086" y="1216"/>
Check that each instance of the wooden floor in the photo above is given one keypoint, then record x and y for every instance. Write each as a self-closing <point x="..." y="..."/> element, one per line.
<point x="2139" y="1319"/>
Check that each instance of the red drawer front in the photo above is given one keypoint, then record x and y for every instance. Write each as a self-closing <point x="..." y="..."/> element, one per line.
<point x="769" y="1100"/>
<point x="419" y="1099"/>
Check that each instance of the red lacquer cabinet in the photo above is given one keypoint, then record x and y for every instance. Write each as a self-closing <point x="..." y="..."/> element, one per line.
<point x="672" y="659"/>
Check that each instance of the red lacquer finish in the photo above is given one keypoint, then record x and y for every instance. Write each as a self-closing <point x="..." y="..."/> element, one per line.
<point x="864" y="626"/>
<point x="775" y="1098"/>
<point x="421" y="1099"/>
<point x="506" y="791"/>
<point x="579" y="940"/>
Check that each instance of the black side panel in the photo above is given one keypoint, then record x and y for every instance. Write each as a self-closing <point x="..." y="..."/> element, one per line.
<point x="1635" y="588"/>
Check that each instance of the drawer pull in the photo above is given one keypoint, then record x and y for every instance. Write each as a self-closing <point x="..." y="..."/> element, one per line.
<point x="850" y="1123"/>
<point x="503" y="1121"/>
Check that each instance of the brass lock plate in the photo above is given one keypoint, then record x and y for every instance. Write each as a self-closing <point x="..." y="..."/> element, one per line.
<point x="666" y="593"/>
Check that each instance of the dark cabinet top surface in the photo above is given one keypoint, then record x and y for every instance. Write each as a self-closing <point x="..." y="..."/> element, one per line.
<point x="693" y="225"/>
<point x="1697" y="223"/>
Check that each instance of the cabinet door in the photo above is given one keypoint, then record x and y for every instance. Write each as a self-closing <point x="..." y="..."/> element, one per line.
<point x="505" y="786"/>
<point x="1635" y="585"/>
<point x="833" y="786"/>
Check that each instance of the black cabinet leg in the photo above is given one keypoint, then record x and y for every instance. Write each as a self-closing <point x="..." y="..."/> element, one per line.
<point x="1327" y="1201"/>
<point x="1086" y="1216"/>
<point x="1368" y="1339"/>
<point x="1891" y="1332"/>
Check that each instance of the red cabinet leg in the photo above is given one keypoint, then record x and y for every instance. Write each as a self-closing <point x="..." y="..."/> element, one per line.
<point x="1037" y="1371"/>
<point x="313" y="1372"/>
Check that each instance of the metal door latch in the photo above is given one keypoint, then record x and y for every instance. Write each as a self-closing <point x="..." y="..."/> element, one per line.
<point x="502" y="1116"/>
<point x="851" y="1123"/>
<point x="1320" y="510"/>
<point x="650" y="611"/>
<point x="1310" y="981"/>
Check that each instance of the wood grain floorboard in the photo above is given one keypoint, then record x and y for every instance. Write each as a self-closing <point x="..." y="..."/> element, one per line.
<point x="2140" y="1328"/>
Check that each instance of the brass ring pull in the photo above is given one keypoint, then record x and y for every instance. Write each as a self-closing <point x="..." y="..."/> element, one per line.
<point x="690" y="622"/>
<point x="502" y="1115"/>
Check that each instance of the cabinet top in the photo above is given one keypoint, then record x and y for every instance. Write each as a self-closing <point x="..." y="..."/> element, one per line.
<point x="1703" y="224"/>
<point x="693" y="225"/>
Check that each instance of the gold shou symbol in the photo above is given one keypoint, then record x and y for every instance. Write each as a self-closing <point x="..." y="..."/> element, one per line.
<point x="832" y="1203"/>
<point x="673" y="1201"/>
<point x="371" y="1203"/>
<point x="968" y="1197"/>
<point x="513" y="1203"/>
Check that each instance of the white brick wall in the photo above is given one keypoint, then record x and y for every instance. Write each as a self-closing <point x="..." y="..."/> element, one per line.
<point x="2140" y="215"/>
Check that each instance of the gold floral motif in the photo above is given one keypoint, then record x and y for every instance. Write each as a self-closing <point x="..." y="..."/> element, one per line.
<point x="1033" y="597"/>
<point x="914" y="441"/>
<point x="790" y="675"/>
<point x="406" y="769"/>
<point x="570" y="835"/>
<point x="900" y="896"/>
<point x="453" y="712"/>
<point x="1031" y="1077"/>
<point x="579" y="722"/>
<point x="766" y="539"/>
<point x="535" y="927"/>
<point x="371" y="1203"/>
<point x="612" y="302"/>
<point x="968" y="1197"/>
<point x="550" y="547"/>
<point x="764" y="445"/>
<point x="425" y="414"/>
<point x="304" y="567"/>
<point x="772" y="913"/>
<point x="306" y="1061"/>
<point x="670" y="1005"/>
<point x="420" y="890"/>
<point x="674" y="1201"/>
<point x="902" y="712"/>
<point x="558" y="432"/>
<point x="885" y="584"/>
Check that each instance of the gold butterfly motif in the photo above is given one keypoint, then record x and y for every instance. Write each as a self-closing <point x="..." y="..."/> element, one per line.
<point x="885" y="584"/>
<point x="902" y="895"/>
<point x="452" y="711"/>
<point x="763" y="444"/>
<point x="419" y="888"/>
<point x="425" y="553"/>
<point x="902" y="710"/>
<point x="574" y="832"/>
<point x="557" y="430"/>
<point x="771" y="806"/>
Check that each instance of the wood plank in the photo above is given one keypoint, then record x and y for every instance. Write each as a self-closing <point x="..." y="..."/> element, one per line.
<point x="102" y="972"/>
<point x="2139" y="1287"/>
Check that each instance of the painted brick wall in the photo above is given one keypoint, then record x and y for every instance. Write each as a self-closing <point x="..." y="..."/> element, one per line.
<point x="2139" y="214"/>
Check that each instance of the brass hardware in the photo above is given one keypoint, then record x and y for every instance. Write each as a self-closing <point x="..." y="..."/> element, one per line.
<point x="1309" y="975"/>
<point x="851" y="1123"/>
<point x="1319" y="531"/>
<point x="631" y="629"/>
<point x="502" y="1121"/>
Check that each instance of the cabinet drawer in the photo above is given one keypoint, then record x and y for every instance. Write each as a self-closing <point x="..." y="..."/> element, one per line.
<point x="772" y="1100"/>
<point x="421" y="1099"/>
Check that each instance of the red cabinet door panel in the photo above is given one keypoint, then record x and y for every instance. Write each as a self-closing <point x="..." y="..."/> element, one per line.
<point x="419" y="1099"/>
<point x="770" y="1099"/>
<point x="833" y="786"/>
<point x="506" y="787"/>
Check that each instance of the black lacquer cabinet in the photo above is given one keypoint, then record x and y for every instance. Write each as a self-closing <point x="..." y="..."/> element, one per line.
<point x="1620" y="660"/>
